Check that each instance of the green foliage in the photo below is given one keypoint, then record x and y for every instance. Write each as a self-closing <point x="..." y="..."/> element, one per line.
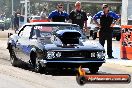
<point x="6" y="6"/>
<point x="38" y="5"/>
<point x="92" y="8"/>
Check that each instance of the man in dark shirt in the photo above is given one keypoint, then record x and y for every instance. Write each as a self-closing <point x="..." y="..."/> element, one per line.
<point x="58" y="15"/>
<point x="107" y="20"/>
<point x="16" y="19"/>
<point x="78" y="16"/>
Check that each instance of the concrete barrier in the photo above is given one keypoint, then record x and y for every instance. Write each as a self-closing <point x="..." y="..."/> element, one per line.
<point x="4" y="34"/>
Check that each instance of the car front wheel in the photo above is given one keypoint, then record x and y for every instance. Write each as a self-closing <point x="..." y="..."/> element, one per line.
<point x="38" y="67"/>
<point x="93" y="70"/>
<point x="36" y="64"/>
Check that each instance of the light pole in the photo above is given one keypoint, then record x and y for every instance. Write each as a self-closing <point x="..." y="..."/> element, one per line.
<point x="12" y="7"/>
<point x="25" y="20"/>
<point x="124" y="13"/>
<point x="12" y="17"/>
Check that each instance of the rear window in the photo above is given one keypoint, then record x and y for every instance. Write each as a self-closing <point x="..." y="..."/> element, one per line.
<point x="43" y="28"/>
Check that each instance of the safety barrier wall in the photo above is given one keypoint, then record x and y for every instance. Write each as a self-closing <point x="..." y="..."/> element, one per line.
<point x="126" y="42"/>
<point x="39" y="21"/>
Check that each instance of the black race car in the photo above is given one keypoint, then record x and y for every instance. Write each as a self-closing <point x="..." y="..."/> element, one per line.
<point x="54" y="45"/>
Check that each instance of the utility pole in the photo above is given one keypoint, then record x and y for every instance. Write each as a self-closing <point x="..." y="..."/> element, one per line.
<point x="12" y="7"/>
<point x="25" y="18"/>
<point x="68" y="6"/>
<point x="124" y="13"/>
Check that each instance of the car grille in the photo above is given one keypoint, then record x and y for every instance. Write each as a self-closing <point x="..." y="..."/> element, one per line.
<point x="84" y="54"/>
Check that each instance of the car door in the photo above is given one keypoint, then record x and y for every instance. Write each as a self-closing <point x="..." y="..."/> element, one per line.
<point x="23" y="44"/>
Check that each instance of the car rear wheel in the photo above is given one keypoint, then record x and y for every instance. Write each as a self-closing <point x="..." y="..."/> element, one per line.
<point x="13" y="59"/>
<point x="93" y="70"/>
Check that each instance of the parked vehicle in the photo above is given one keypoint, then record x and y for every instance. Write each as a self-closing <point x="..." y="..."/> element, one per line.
<point x="2" y="25"/>
<point x="117" y="32"/>
<point x="7" y="22"/>
<point x="93" y="28"/>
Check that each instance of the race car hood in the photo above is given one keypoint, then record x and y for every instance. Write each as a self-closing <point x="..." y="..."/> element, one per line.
<point x="70" y="40"/>
<point x="87" y="45"/>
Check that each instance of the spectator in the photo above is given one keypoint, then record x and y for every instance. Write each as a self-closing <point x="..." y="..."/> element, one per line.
<point x="89" y="18"/>
<point x="58" y="15"/>
<point x="16" y="19"/>
<point x="107" y="20"/>
<point x="78" y="16"/>
<point x="43" y="14"/>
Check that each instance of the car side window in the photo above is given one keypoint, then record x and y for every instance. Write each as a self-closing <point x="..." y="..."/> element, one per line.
<point x="25" y="31"/>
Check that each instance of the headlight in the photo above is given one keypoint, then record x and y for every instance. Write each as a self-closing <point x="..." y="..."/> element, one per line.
<point x="101" y="55"/>
<point x="58" y="54"/>
<point x="50" y="54"/>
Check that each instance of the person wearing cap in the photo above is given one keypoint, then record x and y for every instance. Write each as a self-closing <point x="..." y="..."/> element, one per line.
<point x="58" y="15"/>
<point x="78" y="16"/>
<point x="43" y="14"/>
<point x="107" y="20"/>
<point x="16" y="19"/>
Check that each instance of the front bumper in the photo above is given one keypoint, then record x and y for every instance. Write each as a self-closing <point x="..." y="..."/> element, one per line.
<point x="71" y="63"/>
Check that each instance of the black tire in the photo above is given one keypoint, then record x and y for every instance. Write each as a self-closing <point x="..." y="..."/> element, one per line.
<point x="94" y="36"/>
<point x="39" y="68"/>
<point x="118" y="38"/>
<point x="93" y="70"/>
<point x="13" y="59"/>
<point x="36" y="64"/>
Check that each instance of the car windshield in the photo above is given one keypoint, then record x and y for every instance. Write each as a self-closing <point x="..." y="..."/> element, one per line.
<point x="48" y="31"/>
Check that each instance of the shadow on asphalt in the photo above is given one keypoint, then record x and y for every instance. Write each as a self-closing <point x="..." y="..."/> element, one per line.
<point x="55" y="71"/>
<point x="49" y="71"/>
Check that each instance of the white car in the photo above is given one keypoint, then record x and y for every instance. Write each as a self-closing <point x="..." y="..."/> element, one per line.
<point x="92" y="27"/>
